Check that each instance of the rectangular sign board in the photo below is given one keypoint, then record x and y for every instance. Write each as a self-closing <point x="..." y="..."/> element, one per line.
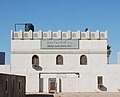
<point x="59" y="44"/>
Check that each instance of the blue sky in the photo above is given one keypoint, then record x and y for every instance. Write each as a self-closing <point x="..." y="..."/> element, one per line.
<point x="61" y="14"/>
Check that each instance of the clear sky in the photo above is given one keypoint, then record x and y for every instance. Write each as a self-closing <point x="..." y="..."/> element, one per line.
<point x="61" y="14"/>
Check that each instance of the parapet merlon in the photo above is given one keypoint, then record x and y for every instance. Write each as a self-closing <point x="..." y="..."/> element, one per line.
<point x="87" y="35"/>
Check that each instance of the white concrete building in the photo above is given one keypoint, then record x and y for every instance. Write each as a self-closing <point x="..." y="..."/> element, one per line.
<point x="64" y="61"/>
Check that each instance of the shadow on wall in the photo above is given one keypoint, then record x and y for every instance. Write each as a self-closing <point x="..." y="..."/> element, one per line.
<point x="38" y="68"/>
<point x="103" y="88"/>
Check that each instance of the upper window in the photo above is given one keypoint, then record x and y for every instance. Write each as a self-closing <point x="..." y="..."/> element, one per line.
<point x="59" y="60"/>
<point x="83" y="60"/>
<point x="35" y="60"/>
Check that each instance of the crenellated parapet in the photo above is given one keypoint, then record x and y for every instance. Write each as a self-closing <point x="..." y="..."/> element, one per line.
<point x="88" y="35"/>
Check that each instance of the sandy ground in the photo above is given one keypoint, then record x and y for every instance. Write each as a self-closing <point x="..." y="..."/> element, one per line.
<point x="114" y="94"/>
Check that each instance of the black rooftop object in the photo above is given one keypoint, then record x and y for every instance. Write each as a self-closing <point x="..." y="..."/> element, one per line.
<point x="86" y="29"/>
<point x="28" y="26"/>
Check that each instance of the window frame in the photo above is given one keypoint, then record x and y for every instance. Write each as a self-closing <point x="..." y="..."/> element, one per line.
<point x="19" y="85"/>
<point x="81" y="60"/>
<point x="59" y="61"/>
<point x="35" y="60"/>
<point x="100" y="81"/>
<point x="6" y="85"/>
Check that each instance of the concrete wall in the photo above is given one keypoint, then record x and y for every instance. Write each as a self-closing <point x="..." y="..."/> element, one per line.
<point x="23" y="50"/>
<point x="32" y="82"/>
<point x="12" y="85"/>
<point x="5" y="68"/>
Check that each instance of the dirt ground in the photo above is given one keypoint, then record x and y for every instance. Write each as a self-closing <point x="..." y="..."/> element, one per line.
<point x="108" y="94"/>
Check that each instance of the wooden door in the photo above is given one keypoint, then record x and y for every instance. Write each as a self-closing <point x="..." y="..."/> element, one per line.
<point x="52" y="85"/>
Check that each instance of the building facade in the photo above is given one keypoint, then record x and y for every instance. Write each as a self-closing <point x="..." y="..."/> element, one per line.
<point x="64" y="61"/>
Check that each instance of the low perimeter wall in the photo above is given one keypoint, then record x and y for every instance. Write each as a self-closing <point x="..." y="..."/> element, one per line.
<point x="12" y="85"/>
